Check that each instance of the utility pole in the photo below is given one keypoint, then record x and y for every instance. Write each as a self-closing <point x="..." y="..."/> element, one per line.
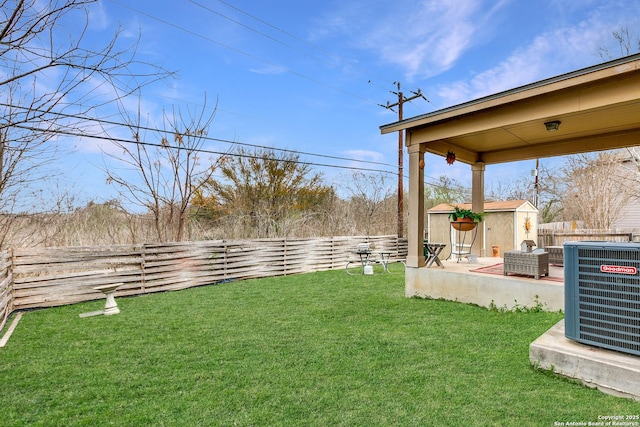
<point x="401" y="100"/>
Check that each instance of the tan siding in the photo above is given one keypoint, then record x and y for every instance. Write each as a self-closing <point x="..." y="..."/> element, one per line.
<point x="503" y="224"/>
<point x="630" y="216"/>
<point x="499" y="231"/>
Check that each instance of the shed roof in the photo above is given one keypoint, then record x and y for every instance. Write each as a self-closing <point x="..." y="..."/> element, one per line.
<point x="501" y="206"/>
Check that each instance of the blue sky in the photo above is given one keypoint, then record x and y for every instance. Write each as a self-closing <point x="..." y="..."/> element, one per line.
<point x="310" y="75"/>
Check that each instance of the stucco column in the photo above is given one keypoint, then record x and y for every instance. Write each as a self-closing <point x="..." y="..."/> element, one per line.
<point x="415" y="218"/>
<point x="477" y="204"/>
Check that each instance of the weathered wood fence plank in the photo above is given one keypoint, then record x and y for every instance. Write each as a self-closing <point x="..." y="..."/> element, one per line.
<point x="558" y="237"/>
<point x="6" y="287"/>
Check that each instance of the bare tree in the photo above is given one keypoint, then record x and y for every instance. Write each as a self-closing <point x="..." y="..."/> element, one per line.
<point x="552" y="189"/>
<point x="50" y="80"/>
<point x="627" y="44"/>
<point x="550" y="192"/>
<point x="370" y="195"/>
<point x="593" y="192"/>
<point x="167" y="173"/>
<point x="445" y="190"/>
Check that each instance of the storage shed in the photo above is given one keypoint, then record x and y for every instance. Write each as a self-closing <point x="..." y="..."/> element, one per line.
<point x="506" y="224"/>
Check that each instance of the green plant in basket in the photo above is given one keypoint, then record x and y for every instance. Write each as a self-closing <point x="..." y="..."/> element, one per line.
<point x="460" y="214"/>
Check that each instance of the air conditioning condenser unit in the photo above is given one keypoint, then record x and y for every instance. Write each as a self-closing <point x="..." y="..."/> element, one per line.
<point x="602" y="294"/>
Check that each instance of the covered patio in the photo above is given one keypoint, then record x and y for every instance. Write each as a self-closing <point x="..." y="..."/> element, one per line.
<point x="592" y="109"/>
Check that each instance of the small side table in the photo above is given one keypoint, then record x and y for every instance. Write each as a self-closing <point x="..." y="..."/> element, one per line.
<point x="433" y="253"/>
<point x="534" y="264"/>
<point x="110" y="306"/>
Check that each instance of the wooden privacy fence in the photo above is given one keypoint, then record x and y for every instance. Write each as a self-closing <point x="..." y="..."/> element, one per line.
<point x="559" y="237"/>
<point x="46" y="277"/>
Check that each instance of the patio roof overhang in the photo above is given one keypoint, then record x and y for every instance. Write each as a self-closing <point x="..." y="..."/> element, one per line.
<point x="598" y="107"/>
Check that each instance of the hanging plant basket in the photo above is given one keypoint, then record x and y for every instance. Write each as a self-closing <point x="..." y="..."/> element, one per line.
<point x="464" y="224"/>
<point x="464" y="219"/>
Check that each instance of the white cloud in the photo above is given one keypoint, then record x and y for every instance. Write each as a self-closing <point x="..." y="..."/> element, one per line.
<point x="368" y="155"/>
<point x="270" y="69"/>
<point x="551" y="53"/>
<point x="98" y="18"/>
<point x="429" y="38"/>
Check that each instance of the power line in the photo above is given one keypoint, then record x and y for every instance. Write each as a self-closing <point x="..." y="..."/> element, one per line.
<point x="215" y="12"/>
<point x="204" y="137"/>
<point x="107" y="138"/>
<point x="293" y="36"/>
<point x="201" y="150"/>
<point x="130" y="141"/>
<point x="210" y="40"/>
<point x="194" y="150"/>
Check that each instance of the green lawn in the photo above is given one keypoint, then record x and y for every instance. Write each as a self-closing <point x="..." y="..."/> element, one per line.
<point x="321" y="349"/>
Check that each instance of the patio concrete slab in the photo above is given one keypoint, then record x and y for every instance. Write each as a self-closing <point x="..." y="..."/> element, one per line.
<point x="457" y="281"/>
<point x="610" y="371"/>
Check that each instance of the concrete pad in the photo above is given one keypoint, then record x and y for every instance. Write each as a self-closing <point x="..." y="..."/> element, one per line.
<point x="610" y="371"/>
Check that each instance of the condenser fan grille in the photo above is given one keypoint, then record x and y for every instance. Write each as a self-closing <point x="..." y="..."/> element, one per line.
<point x="602" y="294"/>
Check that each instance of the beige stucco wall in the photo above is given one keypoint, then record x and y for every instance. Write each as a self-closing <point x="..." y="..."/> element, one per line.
<point x="482" y="289"/>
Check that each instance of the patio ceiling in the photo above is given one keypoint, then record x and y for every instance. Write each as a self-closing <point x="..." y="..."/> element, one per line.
<point x="598" y="107"/>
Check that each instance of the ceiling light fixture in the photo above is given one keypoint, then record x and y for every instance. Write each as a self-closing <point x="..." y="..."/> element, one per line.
<point x="552" y="126"/>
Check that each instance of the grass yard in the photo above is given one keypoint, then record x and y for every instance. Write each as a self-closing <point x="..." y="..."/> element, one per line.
<point x="321" y="349"/>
